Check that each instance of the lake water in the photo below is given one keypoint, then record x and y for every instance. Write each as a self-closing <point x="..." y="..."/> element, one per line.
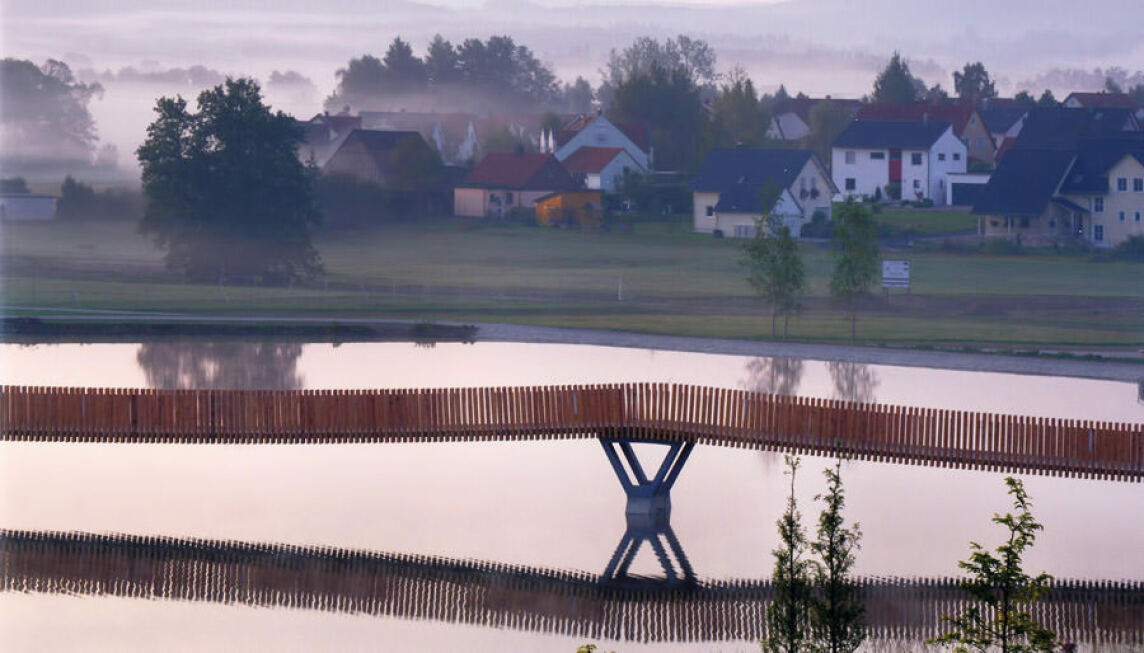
<point x="552" y="505"/>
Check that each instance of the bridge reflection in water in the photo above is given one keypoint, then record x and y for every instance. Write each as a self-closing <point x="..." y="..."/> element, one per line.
<point x="614" y="606"/>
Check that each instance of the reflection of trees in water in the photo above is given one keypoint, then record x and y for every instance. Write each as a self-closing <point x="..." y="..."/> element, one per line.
<point x="229" y="365"/>
<point x="778" y="376"/>
<point x="853" y="381"/>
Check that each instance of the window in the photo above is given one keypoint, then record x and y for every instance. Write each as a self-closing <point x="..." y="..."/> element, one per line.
<point x="850" y="183"/>
<point x="877" y="156"/>
<point x="1098" y="205"/>
<point x="1138" y="216"/>
<point x="744" y="231"/>
<point x="710" y="211"/>
<point x="850" y="156"/>
<point x="1137" y="185"/>
<point x="917" y="183"/>
<point x="957" y="156"/>
<point x="1098" y="232"/>
<point x="1121" y="216"/>
<point x="1122" y="184"/>
<point x="916" y="158"/>
<point x="941" y="156"/>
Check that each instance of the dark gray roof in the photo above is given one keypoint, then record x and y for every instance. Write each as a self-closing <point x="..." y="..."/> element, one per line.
<point x="1024" y="182"/>
<point x="1089" y="174"/>
<point x="891" y="134"/>
<point x="1058" y="128"/>
<point x="999" y="119"/>
<point x="725" y="168"/>
<point x="748" y="198"/>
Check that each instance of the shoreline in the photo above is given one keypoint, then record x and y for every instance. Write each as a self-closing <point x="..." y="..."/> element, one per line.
<point x="121" y="327"/>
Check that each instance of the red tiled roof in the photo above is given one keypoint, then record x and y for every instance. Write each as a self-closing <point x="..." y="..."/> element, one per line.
<point x="956" y="114"/>
<point x="636" y="132"/>
<point x="801" y="106"/>
<point x="1103" y="100"/>
<point x="522" y="171"/>
<point x="591" y="159"/>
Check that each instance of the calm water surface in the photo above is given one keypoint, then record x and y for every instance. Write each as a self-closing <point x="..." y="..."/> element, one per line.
<point x="554" y="505"/>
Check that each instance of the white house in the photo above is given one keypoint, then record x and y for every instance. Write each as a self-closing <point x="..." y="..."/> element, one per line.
<point x="871" y="158"/>
<point x="23" y="206"/>
<point x="599" y="132"/>
<point x="601" y="168"/>
<point x="736" y="187"/>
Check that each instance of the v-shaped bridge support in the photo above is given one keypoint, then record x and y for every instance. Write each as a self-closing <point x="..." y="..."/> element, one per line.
<point x="647" y="496"/>
<point x="657" y="533"/>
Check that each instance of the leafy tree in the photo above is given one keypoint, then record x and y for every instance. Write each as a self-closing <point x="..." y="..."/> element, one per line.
<point x="43" y="114"/>
<point x="578" y="96"/>
<point x="787" y="615"/>
<point x="1026" y="98"/>
<point x="826" y="121"/>
<point x="1047" y="99"/>
<point x="14" y="185"/>
<point x="855" y="258"/>
<point x="775" y="269"/>
<point x="895" y="84"/>
<point x="694" y="58"/>
<point x="227" y="195"/>
<point x="1137" y="93"/>
<point x="973" y="83"/>
<point x="737" y="117"/>
<point x="668" y="103"/>
<point x="836" y="608"/>
<point x="935" y="95"/>
<point x="1002" y="589"/>
<point x="441" y="62"/>
<point x="1111" y="86"/>
<point x="358" y="83"/>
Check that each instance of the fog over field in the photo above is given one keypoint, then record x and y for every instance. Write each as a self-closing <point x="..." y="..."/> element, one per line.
<point x="814" y="46"/>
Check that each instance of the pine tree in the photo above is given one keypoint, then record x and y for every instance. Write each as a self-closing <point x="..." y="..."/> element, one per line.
<point x="788" y="613"/>
<point x="1002" y="590"/>
<point x="836" y="608"/>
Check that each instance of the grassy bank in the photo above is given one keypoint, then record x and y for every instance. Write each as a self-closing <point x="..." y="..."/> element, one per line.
<point x="661" y="278"/>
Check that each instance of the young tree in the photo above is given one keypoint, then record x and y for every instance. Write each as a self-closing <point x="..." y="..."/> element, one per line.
<point x="836" y="609"/>
<point x="227" y="196"/>
<point x="737" y="118"/>
<point x="1047" y="99"/>
<point x="788" y="613"/>
<point x="1002" y="589"/>
<point x="775" y="269"/>
<point x="855" y="258"/>
<point x="973" y="83"/>
<point x="895" y="84"/>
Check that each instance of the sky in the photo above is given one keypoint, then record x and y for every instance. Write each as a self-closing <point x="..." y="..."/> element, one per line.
<point x="819" y="47"/>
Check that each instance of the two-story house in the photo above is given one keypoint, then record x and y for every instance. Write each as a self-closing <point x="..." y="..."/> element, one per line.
<point x="596" y="131"/>
<point x="736" y="187"/>
<point x="968" y="125"/>
<point x="875" y="158"/>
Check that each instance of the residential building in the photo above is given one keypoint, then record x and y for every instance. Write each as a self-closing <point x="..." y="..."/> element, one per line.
<point x="26" y="206"/>
<point x="323" y="134"/>
<point x="1099" y="100"/>
<point x="790" y="118"/>
<point x="872" y="158"/>
<point x="736" y="187"/>
<point x="597" y="131"/>
<point x="602" y="168"/>
<point x="967" y="123"/>
<point x="394" y="159"/>
<point x="504" y="181"/>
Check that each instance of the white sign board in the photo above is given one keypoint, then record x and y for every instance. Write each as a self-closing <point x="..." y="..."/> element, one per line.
<point x="895" y="274"/>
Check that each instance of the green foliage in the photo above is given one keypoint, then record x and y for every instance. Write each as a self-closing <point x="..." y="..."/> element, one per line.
<point x="855" y="257"/>
<point x="43" y="114"/>
<point x="693" y="58"/>
<point x="227" y="195"/>
<point x="578" y="96"/>
<point x="13" y="185"/>
<point x="654" y="201"/>
<point x="775" y="269"/>
<point x="1026" y="98"/>
<point x="788" y="613"/>
<point x="836" y="608"/>
<point x="78" y="201"/>
<point x="895" y="84"/>
<point x="826" y="121"/>
<point x="1047" y="99"/>
<point x="1002" y="590"/>
<point x="667" y="101"/>
<point x="973" y="83"/>
<point x="737" y="117"/>
<point x="1132" y="249"/>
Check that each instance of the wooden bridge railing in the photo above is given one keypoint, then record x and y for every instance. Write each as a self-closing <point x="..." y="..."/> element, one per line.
<point x="639" y="411"/>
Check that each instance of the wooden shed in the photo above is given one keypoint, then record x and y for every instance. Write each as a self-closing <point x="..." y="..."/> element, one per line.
<point x="565" y="208"/>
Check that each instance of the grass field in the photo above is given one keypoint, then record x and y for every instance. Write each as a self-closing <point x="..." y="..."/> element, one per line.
<point x="659" y="279"/>
<point x="924" y="222"/>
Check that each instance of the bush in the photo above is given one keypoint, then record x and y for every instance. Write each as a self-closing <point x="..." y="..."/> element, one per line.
<point x="1129" y="250"/>
<point x="718" y="233"/>
<point x="818" y="227"/>
<point x="894" y="190"/>
<point x="78" y="201"/>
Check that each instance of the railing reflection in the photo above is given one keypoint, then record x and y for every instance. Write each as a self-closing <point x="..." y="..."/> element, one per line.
<point x="1109" y="614"/>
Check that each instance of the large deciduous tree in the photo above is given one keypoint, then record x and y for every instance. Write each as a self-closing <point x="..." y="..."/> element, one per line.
<point x="1002" y="590"/>
<point x="44" y="117"/>
<point x="855" y="258"/>
<point x="973" y="83"/>
<point x="737" y="117"/>
<point x="667" y="101"/>
<point x="227" y="196"/>
<point x="895" y="84"/>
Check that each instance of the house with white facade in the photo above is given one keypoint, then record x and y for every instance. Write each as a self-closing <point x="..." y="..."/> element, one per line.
<point x="504" y="181"/>
<point x="737" y="187"/>
<point x="877" y="158"/>
<point x="602" y="168"/>
<point x="599" y="132"/>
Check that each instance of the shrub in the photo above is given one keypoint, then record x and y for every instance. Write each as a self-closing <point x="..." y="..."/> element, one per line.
<point x="818" y="227"/>
<point x="1131" y="249"/>
<point x="78" y="201"/>
<point x="718" y="233"/>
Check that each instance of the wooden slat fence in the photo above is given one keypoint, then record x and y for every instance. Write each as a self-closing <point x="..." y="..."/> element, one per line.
<point x="639" y="411"/>
<point x="500" y="595"/>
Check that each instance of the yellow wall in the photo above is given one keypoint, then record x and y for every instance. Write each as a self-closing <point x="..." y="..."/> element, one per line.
<point x="584" y="205"/>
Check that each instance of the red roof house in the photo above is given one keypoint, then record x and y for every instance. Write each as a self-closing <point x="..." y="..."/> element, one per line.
<point x="504" y="181"/>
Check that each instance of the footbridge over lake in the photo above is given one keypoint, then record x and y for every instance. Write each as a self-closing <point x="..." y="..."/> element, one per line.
<point x="504" y="595"/>
<point x="678" y="416"/>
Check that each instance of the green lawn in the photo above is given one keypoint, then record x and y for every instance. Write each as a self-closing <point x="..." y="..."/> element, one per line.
<point x="925" y="222"/>
<point x="661" y="278"/>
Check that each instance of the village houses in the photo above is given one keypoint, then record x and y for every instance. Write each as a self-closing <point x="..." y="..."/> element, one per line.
<point x="504" y="181"/>
<point x="873" y="158"/>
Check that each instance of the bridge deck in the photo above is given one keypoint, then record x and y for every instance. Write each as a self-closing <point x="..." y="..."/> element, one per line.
<point x="639" y="411"/>
<point x="501" y="595"/>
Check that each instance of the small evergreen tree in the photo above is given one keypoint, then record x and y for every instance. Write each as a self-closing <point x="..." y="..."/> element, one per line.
<point x="1002" y="590"/>
<point x="895" y="84"/>
<point x="775" y="269"/>
<point x="836" y="608"/>
<point x="787" y="615"/>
